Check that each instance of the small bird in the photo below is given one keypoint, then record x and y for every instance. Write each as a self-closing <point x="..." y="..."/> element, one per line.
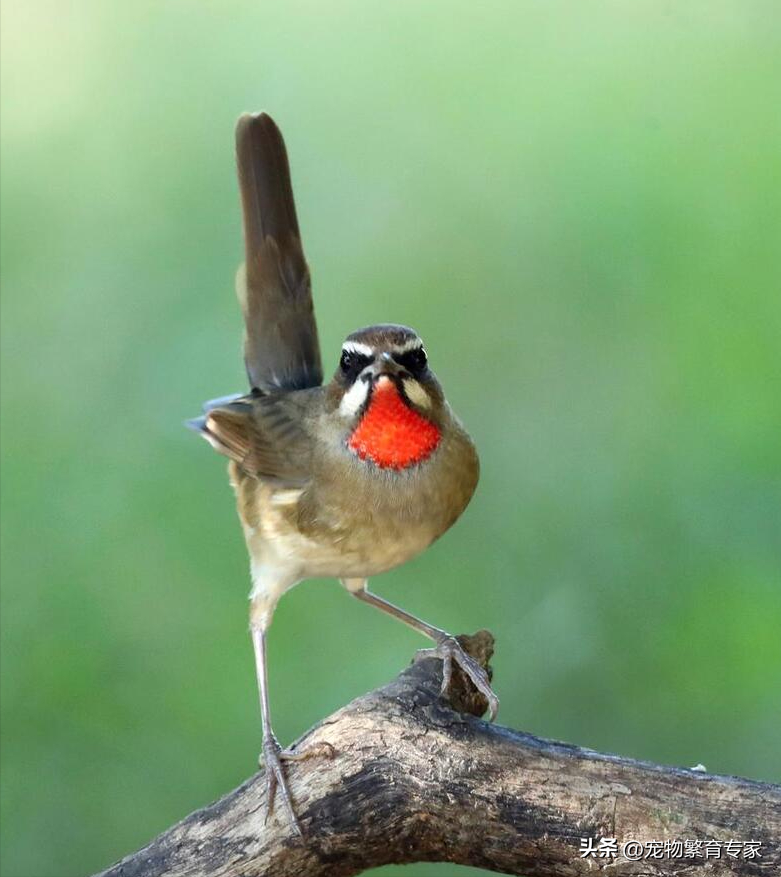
<point x="346" y="480"/>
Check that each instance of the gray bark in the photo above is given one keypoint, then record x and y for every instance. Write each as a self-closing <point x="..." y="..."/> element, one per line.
<point x="416" y="778"/>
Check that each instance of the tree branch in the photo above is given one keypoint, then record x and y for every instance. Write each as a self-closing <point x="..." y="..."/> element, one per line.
<point x="417" y="779"/>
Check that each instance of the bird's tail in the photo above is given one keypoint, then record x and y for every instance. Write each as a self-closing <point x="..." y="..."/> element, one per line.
<point x="281" y="348"/>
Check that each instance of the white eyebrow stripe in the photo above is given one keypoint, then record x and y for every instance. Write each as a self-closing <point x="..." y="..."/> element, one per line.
<point x="411" y="344"/>
<point x="357" y="347"/>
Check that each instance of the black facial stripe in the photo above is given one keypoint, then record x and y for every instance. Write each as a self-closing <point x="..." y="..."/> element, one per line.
<point x="413" y="360"/>
<point x="353" y="363"/>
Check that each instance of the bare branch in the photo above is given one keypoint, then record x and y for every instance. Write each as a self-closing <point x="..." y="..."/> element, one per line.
<point x="415" y="780"/>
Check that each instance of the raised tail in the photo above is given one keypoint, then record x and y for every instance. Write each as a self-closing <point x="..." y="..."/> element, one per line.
<point x="281" y="348"/>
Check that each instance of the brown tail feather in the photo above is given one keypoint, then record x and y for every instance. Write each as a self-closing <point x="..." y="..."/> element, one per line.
<point x="281" y="349"/>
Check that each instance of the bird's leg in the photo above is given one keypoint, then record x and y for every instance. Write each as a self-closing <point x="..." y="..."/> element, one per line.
<point x="447" y="647"/>
<point x="272" y="752"/>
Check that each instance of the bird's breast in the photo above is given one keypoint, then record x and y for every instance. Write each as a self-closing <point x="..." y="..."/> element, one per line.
<point x="356" y="517"/>
<point x="391" y="434"/>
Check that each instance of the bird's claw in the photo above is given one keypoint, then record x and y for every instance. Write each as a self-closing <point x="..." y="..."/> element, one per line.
<point x="449" y="650"/>
<point x="321" y="749"/>
<point x="272" y="757"/>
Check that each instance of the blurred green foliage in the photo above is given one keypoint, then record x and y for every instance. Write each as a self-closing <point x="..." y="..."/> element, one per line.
<point x="577" y="205"/>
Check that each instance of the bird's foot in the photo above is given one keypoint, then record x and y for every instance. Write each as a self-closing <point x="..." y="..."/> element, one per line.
<point x="450" y="650"/>
<point x="272" y="757"/>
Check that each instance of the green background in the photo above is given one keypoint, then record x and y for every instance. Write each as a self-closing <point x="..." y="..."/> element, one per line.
<point x="576" y="204"/>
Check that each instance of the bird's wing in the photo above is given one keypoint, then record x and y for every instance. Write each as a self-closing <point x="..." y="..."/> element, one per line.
<point x="266" y="435"/>
<point x="281" y="349"/>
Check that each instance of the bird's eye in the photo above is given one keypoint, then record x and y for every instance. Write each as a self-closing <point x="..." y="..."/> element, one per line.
<point x="353" y="363"/>
<point x="413" y="360"/>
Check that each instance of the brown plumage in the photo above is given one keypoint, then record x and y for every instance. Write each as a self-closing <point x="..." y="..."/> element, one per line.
<point x="281" y="349"/>
<point x="346" y="480"/>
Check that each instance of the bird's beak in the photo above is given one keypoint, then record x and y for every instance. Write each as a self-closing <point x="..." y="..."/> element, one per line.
<point x="386" y="366"/>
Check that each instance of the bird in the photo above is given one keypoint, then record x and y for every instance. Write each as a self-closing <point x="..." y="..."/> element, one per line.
<point x="345" y="479"/>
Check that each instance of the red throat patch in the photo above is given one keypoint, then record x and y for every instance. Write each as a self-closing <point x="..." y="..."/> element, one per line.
<point x="391" y="435"/>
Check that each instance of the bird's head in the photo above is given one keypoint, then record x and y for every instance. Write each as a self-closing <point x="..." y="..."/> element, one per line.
<point x="389" y="401"/>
